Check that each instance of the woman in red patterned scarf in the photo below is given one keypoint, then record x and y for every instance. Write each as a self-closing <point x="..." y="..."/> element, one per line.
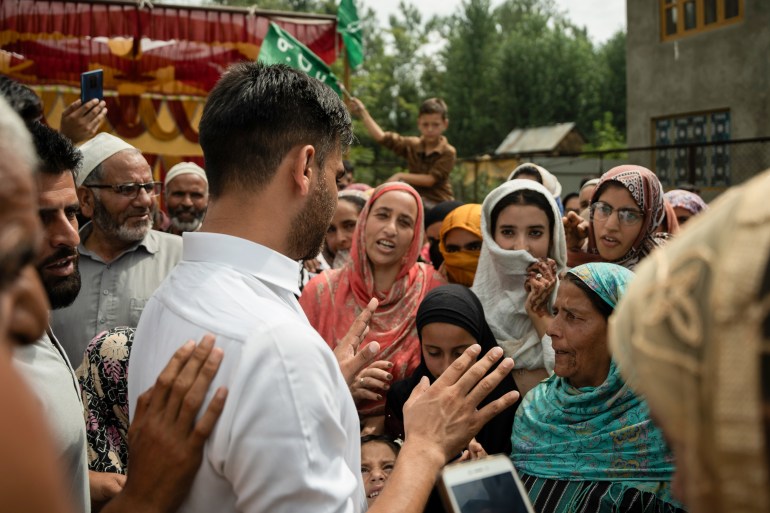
<point x="383" y="265"/>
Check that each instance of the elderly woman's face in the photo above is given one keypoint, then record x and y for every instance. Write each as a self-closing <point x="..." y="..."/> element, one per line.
<point x="578" y="332"/>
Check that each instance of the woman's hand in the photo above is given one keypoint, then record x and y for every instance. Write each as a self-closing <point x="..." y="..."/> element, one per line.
<point x="575" y="231"/>
<point x="474" y="452"/>
<point x="372" y="382"/>
<point x="540" y="284"/>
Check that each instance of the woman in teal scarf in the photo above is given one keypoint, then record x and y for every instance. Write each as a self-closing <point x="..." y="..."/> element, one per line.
<point x="582" y="441"/>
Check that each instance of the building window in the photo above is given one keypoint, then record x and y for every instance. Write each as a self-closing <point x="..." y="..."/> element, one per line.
<point x="704" y="166"/>
<point x="680" y="18"/>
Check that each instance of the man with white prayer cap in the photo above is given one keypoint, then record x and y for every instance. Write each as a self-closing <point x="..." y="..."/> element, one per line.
<point x="187" y="197"/>
<point x="122" y="260"/>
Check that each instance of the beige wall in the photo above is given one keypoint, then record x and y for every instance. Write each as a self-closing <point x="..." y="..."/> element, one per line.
<point x="727" y="67"/>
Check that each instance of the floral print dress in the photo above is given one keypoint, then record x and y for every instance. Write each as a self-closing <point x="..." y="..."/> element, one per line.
<point x="103" y="377"/>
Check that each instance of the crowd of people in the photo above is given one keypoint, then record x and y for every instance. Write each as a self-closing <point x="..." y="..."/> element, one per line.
<point x="344" y="343"/>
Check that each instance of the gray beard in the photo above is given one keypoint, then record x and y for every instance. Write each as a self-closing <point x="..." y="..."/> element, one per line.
<point x="186" y="226"/>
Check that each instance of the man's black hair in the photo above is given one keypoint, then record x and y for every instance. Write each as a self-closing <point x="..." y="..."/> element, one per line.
<point x="257" y="113"/>
<point x="22" y="99"/>
<point x="57" y="154"/>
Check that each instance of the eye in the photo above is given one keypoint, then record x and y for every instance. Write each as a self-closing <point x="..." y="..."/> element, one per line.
<point x="364" y="470"/>
<point x="570" y="316"/>
<point x="433" y="352"/>
<point x="71" y="213"/>
<point x="473" y="246"/>
<point x="388" y="467"/>
<point x="452" y="248"/>
<point x="129" y="189"/>
<point x="536" y="233"/>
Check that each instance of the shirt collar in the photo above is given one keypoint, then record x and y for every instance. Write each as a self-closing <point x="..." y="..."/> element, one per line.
<point x="246" y="256"/>
<point x="442" y="144"/>
<point x="150" y="242"/>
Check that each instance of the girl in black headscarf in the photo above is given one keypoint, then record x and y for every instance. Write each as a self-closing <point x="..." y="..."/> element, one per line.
<point x="449" y="320"/>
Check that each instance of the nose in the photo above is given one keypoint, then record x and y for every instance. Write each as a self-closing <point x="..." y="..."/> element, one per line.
<point x="187" y="200"/>
<point x="554" y="329"/>
<point x="521" y="242"/>
<point x="144" y="198"/>
<point x="377" y="475"/>
<point x="63" y="231"/>
<point x="613" y="221"/>
<point x="445" y="363"/>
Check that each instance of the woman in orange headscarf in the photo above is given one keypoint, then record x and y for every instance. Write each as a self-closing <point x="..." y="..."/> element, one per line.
<point x="383" y="265"/>
<point x="460" y="243"/>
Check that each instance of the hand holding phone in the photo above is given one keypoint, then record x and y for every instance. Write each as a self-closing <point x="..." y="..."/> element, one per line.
<point x="488" y="485"/>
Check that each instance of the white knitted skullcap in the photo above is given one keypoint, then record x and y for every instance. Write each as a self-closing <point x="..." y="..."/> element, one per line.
<point x="97" y="150"/>
<point x="185" y="168"/>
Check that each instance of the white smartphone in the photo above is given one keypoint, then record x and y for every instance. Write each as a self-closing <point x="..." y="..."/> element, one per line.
<point x="488" y="485"/>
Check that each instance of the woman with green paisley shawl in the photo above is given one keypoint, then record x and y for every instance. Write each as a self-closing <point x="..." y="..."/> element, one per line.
<point x="582" y="440"/>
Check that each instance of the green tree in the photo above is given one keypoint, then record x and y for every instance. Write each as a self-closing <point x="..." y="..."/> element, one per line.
<point x="612" y="79"/>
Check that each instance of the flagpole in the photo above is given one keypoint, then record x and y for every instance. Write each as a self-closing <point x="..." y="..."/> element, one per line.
<point x="346" y="76"/>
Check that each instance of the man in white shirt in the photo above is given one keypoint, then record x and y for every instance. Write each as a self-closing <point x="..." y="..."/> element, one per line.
<point x="288" y="438"/>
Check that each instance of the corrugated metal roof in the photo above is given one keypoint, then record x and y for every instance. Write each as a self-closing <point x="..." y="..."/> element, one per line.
<point x="526" y="140"/>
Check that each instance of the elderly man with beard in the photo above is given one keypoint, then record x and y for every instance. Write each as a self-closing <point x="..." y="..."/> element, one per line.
<point x="122" y="260"/>
<point x="187" y="197"/>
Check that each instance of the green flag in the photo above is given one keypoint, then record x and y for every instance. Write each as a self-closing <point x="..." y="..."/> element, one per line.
<point x="279" y="47"/>
<point x="350" y="27"/>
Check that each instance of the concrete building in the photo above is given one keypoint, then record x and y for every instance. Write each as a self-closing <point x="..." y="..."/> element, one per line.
<point x="698" y="71"/>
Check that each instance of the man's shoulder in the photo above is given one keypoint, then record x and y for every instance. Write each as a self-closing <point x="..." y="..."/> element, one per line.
<point x="163" y="241"/>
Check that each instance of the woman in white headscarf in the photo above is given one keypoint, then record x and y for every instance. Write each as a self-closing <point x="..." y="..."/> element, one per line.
<point x="523" y="253"/>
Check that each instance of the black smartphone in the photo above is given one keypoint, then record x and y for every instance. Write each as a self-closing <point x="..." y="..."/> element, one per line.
<point x="91" y="86"/>
<point x="490" y="485"/>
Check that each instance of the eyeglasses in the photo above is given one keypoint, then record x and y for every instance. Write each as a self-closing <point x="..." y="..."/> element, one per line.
<point x="131" y="190"/>
<point x="628" y="216"/>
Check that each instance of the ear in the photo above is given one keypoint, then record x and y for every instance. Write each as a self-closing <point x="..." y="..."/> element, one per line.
<point x="86" y="199"/>
<point x="303" y="167"/>
<point x="446" y="123"/>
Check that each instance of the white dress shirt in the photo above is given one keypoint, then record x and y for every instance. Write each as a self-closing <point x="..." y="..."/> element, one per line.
<point x="288" y="438"/>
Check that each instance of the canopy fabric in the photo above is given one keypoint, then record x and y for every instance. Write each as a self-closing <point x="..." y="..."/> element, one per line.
<point x="159" y="62"/>
<point x="164" y="50"/>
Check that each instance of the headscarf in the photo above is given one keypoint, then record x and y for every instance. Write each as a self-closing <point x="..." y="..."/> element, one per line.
<point x="601" y="433"/>
<point x="459" y="306"/>
<point x="436" y="215"/>
<point x="687" y="200"/>
<point x="499" y="283"/>
<point x="461" y="265"/>
<point x="671" y="223"/>
<point x="692" y="335"/>
<point x="647" y="192"/>
<point x="333" y="299"/>
<point x="550" y="182"/>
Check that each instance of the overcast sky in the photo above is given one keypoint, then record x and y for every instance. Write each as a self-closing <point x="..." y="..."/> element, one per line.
<point x="602" y="17"/>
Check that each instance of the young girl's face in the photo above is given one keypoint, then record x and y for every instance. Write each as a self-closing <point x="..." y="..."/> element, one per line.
<point x="377" y="462"/>
<point x="442" y="344"/>
<point x="523" y="227"/>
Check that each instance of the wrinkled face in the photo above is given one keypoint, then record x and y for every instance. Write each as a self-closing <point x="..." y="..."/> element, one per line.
<point x="572" y="205"/>
<point x="578" y="334"/>
<point x="615" y="239"/>
<point x="310" y="225"/>
<point x="377" y="462"/>
<point x="187" y="199"/>
<point x="458" y="239"/>
<point x="523" y="227"/>
<point x="442" y="344"/>
<point x="585" y="196"/>
<point x="23" y="305"/>
<point x="682" y="215"/>
<point x="340" y="233"/>
<point x="57" y="262"/>
<point x="122" y="218"/>
<point x="431" y="126"/>
<point x="390" y="229"/>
